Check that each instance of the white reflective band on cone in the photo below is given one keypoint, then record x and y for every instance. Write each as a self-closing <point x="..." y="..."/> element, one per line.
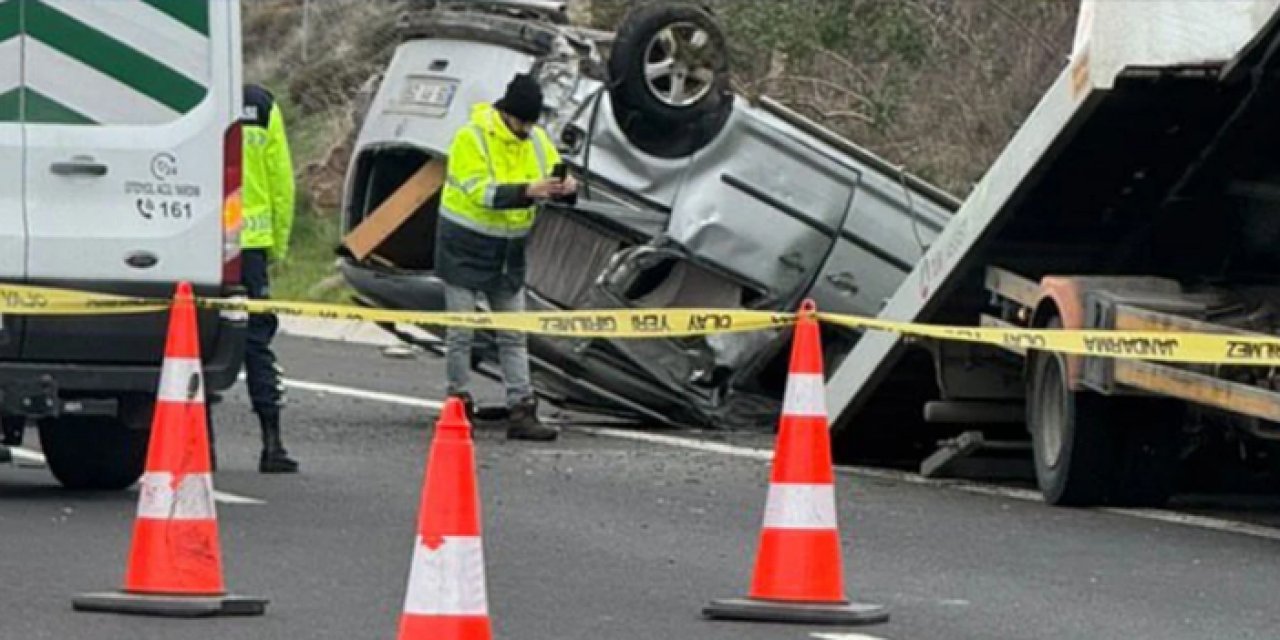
<point x="191" y="499"/>
<point x="800" y="506"/>
<point x="176" y="380"/>
<point x="447" y="580"/>
<point x="806" y="396"/>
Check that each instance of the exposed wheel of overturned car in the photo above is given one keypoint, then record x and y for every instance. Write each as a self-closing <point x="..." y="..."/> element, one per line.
<point x="669" y="78"/>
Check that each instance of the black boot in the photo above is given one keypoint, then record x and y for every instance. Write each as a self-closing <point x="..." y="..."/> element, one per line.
<point x="468" y="404"/>
<point x="274" y="458"/>
<point x="525" y="424"/>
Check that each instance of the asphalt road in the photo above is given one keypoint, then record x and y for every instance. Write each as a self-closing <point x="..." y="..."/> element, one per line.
<point x="599" y="537"/>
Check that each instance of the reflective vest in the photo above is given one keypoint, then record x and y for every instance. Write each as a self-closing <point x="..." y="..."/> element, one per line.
<point x="268" y="190"/>
<point x="485" y="154"/>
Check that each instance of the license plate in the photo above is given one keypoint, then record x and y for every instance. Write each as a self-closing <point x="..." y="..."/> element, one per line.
<point x="436" y="93"/>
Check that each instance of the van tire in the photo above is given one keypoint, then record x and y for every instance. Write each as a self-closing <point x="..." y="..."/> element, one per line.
<point x="93" y="452"/>
<point x="667" y="140"/>
<point x="654" y="117"/>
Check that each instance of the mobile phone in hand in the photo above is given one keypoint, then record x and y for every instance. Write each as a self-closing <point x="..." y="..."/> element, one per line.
<point x="560" y="172"/>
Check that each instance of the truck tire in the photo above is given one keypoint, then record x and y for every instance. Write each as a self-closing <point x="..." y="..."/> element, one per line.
<point x="1091" y="449"/>
<point x="93" y="452"/>
<point x="1068" y="436"/>
<point x="669" y="78"/>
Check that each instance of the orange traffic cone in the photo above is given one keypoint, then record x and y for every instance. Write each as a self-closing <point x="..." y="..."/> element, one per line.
<point x="175" y="565"/>
<point x="798" y="575"/>
<point x="446" y="598"/>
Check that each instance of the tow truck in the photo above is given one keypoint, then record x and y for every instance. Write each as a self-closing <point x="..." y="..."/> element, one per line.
<point x="1142" y="193"/>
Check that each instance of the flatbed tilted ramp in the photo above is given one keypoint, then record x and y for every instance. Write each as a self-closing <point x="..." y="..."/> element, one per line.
<point x="1155" y="90"/>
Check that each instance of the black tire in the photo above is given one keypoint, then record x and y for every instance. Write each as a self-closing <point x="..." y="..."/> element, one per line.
<point x="1092" y="450"/>
<point x="1068" y="436"/>
<point x="93" y="452"/>
<point x="656" y="116"/>
<point x="11" y="429"/>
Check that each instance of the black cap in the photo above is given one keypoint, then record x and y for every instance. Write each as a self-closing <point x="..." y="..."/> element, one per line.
<point x="523" y="99"/>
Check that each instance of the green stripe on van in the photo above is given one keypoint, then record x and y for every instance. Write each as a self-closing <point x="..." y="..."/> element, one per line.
<point x="193" y="13"/>
<point x="10" y="19"/>
<point x="10" y="105"/>
<point x="44" y="110"/>
<point x="112" y="58"/>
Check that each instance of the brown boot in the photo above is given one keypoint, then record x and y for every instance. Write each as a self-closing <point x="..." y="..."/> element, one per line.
<point x="525" y="424"/>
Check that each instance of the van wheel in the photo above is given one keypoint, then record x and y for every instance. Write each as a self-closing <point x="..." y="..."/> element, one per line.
<point x="93" y="452"/>
<point x="669" y="78"/>
<point x="1091" y="449"/>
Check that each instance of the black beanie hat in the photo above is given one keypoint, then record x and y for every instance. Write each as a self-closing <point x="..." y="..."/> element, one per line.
<point x="523" y="99"/>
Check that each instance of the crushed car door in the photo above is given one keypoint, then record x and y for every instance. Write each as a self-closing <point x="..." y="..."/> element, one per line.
<point x="765" y="205"/>
<point x="757" y="215"/>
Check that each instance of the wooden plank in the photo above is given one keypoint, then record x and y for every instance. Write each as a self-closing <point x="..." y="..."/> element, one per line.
<point x="395" y="210"/>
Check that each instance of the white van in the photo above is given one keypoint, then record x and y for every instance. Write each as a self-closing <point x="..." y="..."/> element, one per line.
<point x="119" y="172"/>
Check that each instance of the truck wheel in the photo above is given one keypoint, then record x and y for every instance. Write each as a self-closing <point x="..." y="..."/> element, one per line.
<point x="93" y="452"/>
<point x="1068" y="436"/>
<point x="669" y="78"/>
<point x="1091" y="449"/>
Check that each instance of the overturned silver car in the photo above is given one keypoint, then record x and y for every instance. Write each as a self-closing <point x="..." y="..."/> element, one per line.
<point x="692" y="197"/>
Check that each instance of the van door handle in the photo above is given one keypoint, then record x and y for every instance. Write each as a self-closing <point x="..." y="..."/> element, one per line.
<point x="793" y="261"/>
<point x="844" y="282"/>
<point x="79" y="167"/>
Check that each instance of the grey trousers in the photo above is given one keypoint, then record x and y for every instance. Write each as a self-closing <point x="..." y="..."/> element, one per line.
<point x="513" y="352"/>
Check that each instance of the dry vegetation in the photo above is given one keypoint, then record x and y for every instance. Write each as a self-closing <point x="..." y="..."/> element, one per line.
<point x="316" y="74"/>
<point x="936" y="85"/>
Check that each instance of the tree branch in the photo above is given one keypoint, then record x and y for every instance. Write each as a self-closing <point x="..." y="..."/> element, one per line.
<point x="1038" y="37"/>
<point x="832" y="115"/>
<point x="819" y="82"/>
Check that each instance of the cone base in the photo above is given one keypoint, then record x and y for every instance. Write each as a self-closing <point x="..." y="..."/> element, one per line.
<point x="753" y="610"/>
<point x="169" y="606"/>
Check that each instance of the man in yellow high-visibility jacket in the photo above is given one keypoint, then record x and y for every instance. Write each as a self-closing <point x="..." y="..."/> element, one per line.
<point x="268" y="196"/>
<point x="500" y="167"/>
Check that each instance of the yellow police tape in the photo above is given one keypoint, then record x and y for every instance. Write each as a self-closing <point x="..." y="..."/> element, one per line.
<point x="1160" y="346"/>
<point x="1183" y="347"/>
<point x="603" y="323"/>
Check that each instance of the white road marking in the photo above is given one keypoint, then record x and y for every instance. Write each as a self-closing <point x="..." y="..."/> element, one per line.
<point x="26" y="457"/>
<point x="231" y="498"/>
<point x="1202" y="522"/>
<point x="37" y="458"/>
<point x="753" y="453"/>
<point x="844" y="636"/>
<point x="677" y="441"/>
<point x="377" y="396"/>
